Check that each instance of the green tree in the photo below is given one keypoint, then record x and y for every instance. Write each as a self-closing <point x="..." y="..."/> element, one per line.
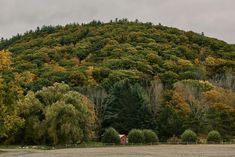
<point x="31" y="110"/>
<point x="128" y="107"/>
<point x="63" y="124"/>
<point x="57" y="115"/>
<point x="169" y="123"/>
<point x="222" y="120"/>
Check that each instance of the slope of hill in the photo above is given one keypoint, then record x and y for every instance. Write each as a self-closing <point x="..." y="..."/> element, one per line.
<point x="137" y="75"/>
<point x="103" y="53"/>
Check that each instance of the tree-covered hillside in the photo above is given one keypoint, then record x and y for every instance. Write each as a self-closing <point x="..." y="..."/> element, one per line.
<point x="99" y="53"/>
<point x="135" y="74"/>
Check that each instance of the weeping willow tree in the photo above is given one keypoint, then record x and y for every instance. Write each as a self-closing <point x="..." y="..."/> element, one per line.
<point x="56" y="115"/>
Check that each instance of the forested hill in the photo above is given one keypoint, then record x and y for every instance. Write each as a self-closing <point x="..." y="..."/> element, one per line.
<point x="103" y="53"/>
<point x="66" y="84"/>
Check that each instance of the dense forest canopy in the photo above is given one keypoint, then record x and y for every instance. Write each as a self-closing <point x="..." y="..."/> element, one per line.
<point x="166" y="79"/>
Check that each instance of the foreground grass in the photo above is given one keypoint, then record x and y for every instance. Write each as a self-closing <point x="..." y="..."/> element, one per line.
<point x="83" y="145"/>
<point x="144" y="151"/>
<point x="93" y="145"/>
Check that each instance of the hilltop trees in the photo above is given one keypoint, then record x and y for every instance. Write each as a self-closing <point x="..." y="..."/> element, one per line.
<point x="131" y="50"/>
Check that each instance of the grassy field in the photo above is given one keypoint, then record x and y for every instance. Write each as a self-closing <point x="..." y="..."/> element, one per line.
<point x="138" y="151"/>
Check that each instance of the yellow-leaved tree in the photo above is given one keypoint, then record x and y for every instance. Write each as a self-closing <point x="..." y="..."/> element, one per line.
<point x="10" y="90"/>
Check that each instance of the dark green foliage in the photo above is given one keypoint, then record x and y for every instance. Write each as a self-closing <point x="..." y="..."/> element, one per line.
<point x="189" y="136"/>
<point x="150" y="136"/>
<point x="169" y="123"/>
<point x="128" y="107"/>
<point x="168" y="78"/>
<point x="136" y="136"/>
<point x="111" y="136"/>
<point x="222" y="121"/>
<point x="214" y="136"/>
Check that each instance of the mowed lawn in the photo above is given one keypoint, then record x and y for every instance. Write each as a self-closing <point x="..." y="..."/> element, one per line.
<point x="135" y="151"/>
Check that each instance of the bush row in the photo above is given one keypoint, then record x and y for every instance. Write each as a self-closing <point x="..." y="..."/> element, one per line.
<point x="134" y="136"/>
<point x="148" y="136"/>
<point x="191" y="137"/>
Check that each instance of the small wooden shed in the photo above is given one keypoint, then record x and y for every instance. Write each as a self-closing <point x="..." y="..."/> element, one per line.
<point x="123" y="139"/>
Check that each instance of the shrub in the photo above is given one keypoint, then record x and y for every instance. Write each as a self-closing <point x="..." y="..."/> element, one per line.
<point x="189" y="136"/>
<point x="150" y="136"/>
<point x="136" y="136"/>
<point x="111" y="136"/>
<point x="214" y="136"/>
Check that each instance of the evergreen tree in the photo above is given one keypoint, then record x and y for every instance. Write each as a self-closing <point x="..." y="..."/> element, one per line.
<point x="128" y="107"/>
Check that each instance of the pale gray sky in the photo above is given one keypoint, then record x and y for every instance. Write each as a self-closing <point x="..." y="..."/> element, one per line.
<point x="216" y="18"/>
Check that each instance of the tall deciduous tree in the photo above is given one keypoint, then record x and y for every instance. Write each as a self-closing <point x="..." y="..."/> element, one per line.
<point x="56" y="115"/>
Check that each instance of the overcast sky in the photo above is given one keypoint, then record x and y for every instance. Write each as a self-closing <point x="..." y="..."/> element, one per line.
<point x="216" y="18"/>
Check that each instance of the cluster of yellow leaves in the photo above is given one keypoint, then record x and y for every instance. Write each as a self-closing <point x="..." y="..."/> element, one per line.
<point x="211" y="61"/>
<point x="180" y="103"/>
<point x="54" y="67"/>
<point x="186" y="93"/>
<point x="5" y="60"/>
<point x="180" y="97"/>
<point x="184" y="62"/>
<point x="197" y="61"/>
<point x="25" y="77"/>
<point x="220" y="98"/>
<point x="153" y="57"/>
<point x="5" y="64"/>
<point x="15" y="88"/>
